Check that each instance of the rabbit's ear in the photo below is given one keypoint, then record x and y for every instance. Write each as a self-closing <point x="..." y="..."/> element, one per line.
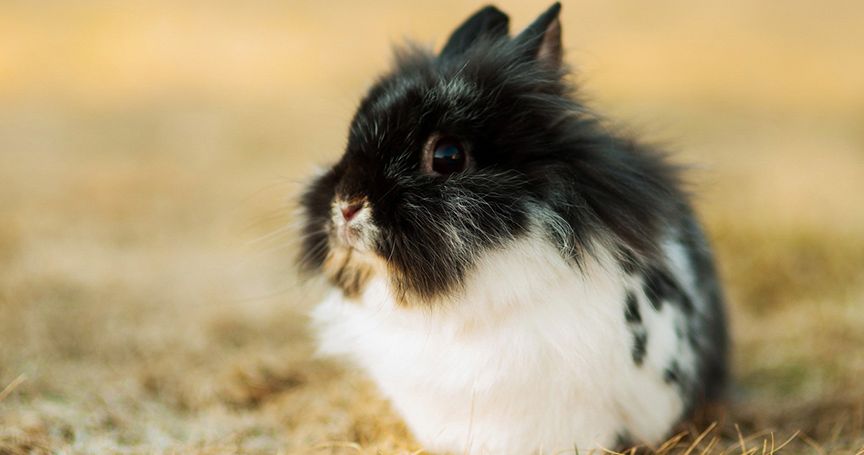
<point x="541" y="40"/>
<point x="489" y="21"/>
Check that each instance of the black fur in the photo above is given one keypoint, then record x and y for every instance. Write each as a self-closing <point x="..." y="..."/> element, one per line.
<point x="316" y="202"/>
<point x="634" y="324"/>
<point x="534" y="146"/>
<point x="707" y="332"/>
<point x="640" y="341"/>
<point x="631" y="309"/>
<point x="489" y="22"/>
<point x="623" y="441"/>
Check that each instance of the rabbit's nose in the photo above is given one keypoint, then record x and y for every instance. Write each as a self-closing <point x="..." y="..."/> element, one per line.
<point x="350" y="209"/>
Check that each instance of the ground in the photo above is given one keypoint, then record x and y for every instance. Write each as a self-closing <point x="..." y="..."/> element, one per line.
<point x="150" y="151"/>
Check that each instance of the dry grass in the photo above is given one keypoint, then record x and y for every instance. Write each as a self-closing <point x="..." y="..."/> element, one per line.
<point x="147" y="150"/>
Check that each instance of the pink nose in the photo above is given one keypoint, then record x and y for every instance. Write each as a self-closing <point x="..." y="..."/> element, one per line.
<point x="349" y="210"/>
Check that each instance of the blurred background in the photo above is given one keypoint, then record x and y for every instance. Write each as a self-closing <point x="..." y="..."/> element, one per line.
<point x="150" y="152"/>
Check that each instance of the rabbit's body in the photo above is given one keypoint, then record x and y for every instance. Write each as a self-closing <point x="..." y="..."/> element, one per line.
<point x="514" y="276"/>
<point x="533" y="356"/>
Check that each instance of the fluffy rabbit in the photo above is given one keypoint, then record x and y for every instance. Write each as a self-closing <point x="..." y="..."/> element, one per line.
<point x="515" y="277"/>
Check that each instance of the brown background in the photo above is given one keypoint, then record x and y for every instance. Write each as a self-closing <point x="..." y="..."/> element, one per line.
<point x="149" y="151"/>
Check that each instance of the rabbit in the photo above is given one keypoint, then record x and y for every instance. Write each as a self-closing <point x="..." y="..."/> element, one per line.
<point x="513" y="275"/>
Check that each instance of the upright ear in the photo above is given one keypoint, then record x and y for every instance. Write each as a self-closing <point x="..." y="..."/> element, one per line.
<point x="541" y="41"/>
<point x="489" y="22"/>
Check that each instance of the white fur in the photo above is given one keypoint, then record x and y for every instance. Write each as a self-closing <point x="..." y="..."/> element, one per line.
<point x="534" y="356"/>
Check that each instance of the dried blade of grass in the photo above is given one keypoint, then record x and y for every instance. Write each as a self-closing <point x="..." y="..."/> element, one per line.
<point x="339" y="444"/>
<point x="741" y="439"/>
<point x="670" y="443"/>
<point x="787" y="442"/>
<point x="837" y="431"/>
<point x="711" y="445"/>
<point x="700" y="438"/>
<point x="858" y="419"/>
<point x="11" y="387"/>
<point x="24" y="447"/>
<point x="813" y="444"/>
<point x="738" y="443"/>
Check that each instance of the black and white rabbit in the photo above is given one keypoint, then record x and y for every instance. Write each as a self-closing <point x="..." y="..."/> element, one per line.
<point x="514" y="276"/>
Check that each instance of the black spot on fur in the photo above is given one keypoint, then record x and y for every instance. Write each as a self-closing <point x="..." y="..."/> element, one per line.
<point x="631" y="309"/>
<point x="623" y="440"/>
<point x="659" y="286"/>
<point x="634" y="324"/>
<point x="672" y="373"/>
<point x="640" y="341"/>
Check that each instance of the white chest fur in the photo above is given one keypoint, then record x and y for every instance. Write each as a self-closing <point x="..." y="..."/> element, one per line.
<point x="534" y="356"/>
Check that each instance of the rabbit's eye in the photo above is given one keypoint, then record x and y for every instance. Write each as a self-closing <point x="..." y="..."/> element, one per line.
<point x="445" y="155"/>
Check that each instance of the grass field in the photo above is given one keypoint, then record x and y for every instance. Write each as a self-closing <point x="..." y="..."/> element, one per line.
<point x="150" y="151"/>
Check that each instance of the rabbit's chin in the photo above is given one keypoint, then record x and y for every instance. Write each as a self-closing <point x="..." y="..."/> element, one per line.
<point x="351" y="269"/>
<point x="355" y="270"/>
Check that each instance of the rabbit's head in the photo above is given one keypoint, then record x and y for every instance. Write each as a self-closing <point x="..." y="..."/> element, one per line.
<point x="452" y="154"/>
